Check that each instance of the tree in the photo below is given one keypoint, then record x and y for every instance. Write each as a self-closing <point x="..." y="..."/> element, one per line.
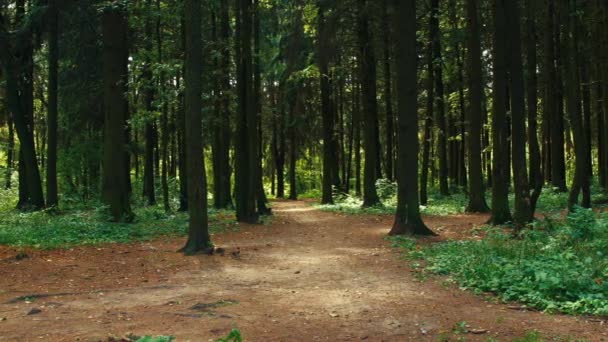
<point x="51" y="165"/>
<point x="221" y="135"/>
<point x="407" y="217"/>
<point x="370" y="106"/>
<point x="477" y="200"/>
<point x="500" y="170"/>
<point x="17" y="62"/>
<point x="116" y="189"/>
<point x="198" y="233"/>
<point x="245" y="145"/>
<point x="440" y="120"/>
<point x="523" y="208"/>
<point x="329" y="152"/>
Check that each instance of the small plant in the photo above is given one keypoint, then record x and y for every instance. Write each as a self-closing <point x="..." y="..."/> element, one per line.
<point x="233" y="336"/>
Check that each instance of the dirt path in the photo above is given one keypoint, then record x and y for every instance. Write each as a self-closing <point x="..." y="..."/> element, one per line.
<point x="308" y="276"/>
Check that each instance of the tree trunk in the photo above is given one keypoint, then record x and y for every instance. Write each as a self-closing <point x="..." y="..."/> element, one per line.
<point x="198" y="234"/>
<point x="370" y="106"/>
<point x="164" y="121"/>
<point x="51" y="171"/>
<point x="221" y="151"/>
<point x="523" y="209"/>
<point x="407" y="217"/>
<point x="10" y="153"/>
<point x="500" y="169"/>
<point x="535" y="174"/>
<point x="477" y="200"/>
<point x="326" y="113"/>
<point x="428" y="126"/>
<point x="246" y="146"/>
<point x="115" y="59"/>
<point x="440" y="120"/>
<point x="388" y="96"/>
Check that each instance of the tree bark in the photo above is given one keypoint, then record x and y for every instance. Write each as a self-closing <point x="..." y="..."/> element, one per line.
<point x="116" y="190"/>
<point x="407" y="217"/>
<point x="500" y="170"/>
<point x="198" y="234"/>
<point x="51" y="166"/>
<point x="477" y="200"/>
<point x="370" y="106"/>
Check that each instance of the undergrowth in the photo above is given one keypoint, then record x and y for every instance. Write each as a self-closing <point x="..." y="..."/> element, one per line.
<point x="556" y="266"/>
<point x="73" y="227"/>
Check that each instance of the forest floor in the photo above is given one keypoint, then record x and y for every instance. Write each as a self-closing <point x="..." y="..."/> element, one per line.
<point x="306" y="276"/>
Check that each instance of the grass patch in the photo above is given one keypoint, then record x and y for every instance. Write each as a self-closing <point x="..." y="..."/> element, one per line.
<point x="558" y="266"/>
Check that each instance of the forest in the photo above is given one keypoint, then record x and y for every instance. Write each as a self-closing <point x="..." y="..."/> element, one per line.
<point x="303" y="170"/>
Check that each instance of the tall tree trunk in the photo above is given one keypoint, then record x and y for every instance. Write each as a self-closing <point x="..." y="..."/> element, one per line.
<point x="221" y="151"/>
<point x="357" y="138"/>
<point x="51" y="171"/>
<point x="573" y="103"/>
<point x="326" y="113"/>
<point x="370" y="106"/>
<point x="148" y="96"/>
<point x="500" y="170"/>
<point x="523" y="209"/>
<point x="428" y="126"/>
<point x="477" y="200"/>
<point x="407" y="217"/>
<point x="246" y="146"/>
<point x="256" y="131"/>
<point x="198" y="234"/>
<point x="388" y="96"/>
<point x="116" y="190"/>
<point x="535" y="159"/>
<point x="558" y="163"/>
<point x="440" y="120"/>
<point x="164" y="121"/>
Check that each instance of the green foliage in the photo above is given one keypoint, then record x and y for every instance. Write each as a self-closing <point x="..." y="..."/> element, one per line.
<point x="89" y="226"/>
<point x="234" y="336"/>
<point x="156" y="339"/>
<point x="558" y="266"/>
<point x="387" y="191"/>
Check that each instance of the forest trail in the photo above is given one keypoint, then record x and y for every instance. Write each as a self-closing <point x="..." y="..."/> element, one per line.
<point x="307" y="276"/>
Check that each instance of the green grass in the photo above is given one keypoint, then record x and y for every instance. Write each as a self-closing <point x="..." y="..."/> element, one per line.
<point x="558" y="266"/>
<point x="74" y="227"/>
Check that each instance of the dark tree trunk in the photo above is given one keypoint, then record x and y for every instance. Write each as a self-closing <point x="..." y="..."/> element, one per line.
<point x="553" y="102"/>
<point x="440" y="120"/>
<point x="164" y="120"/>
<point x="500" y="170"/>
<point x="116" y="190"/>
<point x="536" y="173"/>
<point x="256" y="132"/>
<point x="357" y="138"/>
<point x="523" y="208"/>
<point x="428" y="126"/>
<point x="246" y="142"/>
<point x="370" y="106"/>
<point x="181" y="133"/>
<point x="407" y="217"/>
<point x="477" y="200"/>
<point x="388" y="96"/>
<point x="573" y="103"/>
<point x="198" y="234"/>
<point x="327" y="115"/>
<point x="51" y="170"/>
<point x="221" y="151"/>
<point x="148" y="97"/>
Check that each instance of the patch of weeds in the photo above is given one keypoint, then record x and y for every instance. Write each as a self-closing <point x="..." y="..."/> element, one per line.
<point x="233" y="336"/>
<point x="556" y="266"/>
<point x="89" y="226"/>
<point x="156" y="339"/>
<point x="460" y="328"/>
<point x="532" y="336"/>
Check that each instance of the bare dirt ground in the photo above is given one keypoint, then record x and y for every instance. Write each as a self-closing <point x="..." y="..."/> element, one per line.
<point x="308" y="276"/>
